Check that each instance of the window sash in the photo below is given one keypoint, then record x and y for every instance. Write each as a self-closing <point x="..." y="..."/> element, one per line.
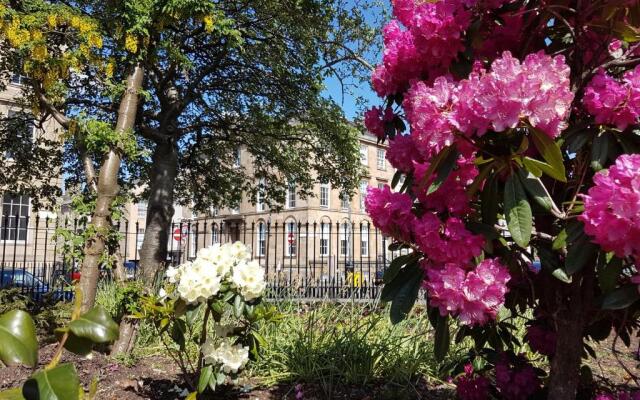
<point x="15" y="212"/>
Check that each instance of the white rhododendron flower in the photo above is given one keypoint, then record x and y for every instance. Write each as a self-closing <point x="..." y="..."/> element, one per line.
<point x="173" y="274"/>
<point x="249" y="279"/>
<point x="198" y="281"/>
<point x="232" y="358"/>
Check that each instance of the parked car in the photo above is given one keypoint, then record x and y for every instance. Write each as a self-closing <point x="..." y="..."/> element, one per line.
<point x="32" y="286"/>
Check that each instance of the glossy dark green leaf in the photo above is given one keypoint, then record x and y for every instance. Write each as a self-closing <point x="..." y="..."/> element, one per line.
<point x="406" y="296"/>
<point x="178" y="331"/>
<point x="576" y="141"/>
<point x="485" y="170"/>
<point x="580" y="249"/>
<point x="560" y="241"/>
<point x="205" y="376"/>
<point x="396" y="179"/>
<point x="442" y="338"/>
<point x="395" y="266"/>
<point x="75" y="344"/>
<point x="600" y="151"/>
<point x="536" y="190"/>
<point x="18" y="342"/>
<point x="517" y="211"/>
<point x="59" y="383"/>
<point x="620" y="298"/>
<point x="561" y="275"/>
<point x="95" y="325"/>
<point x="532" y="165"/>
<point x="551" y="153"/>
<point x="391" y="289"/>
<point x="630" y="143"/>
<point x="489" y="201"/>
<point x="609" y="273"/>
<point x="444" y="170"/>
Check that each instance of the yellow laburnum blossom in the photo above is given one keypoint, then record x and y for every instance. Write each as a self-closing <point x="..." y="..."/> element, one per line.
<point x="95" y="40"/>
<point x="36" y="35"/>
<point x="39" y="52"/>
<point x="75" y="21"/>
<point x="131" y="44"/>
<point x="109" y="69"/>
<point x="52" y="20"/>
<point x="84" y="26"/>
<point x="208" y="23"/>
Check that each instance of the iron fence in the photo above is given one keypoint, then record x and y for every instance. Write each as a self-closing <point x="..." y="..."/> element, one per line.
<point x="311" y="260"/>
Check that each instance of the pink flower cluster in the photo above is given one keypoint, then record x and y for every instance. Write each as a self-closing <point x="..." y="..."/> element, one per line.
<point x="614" y="102"/>
<point x="612" y="208"/>
<point x="375" y="118"/>
<point x="541" y="339"/>
<point x="390" y="212"/>
<point x="538" y="90"/>
<point x="619" y="396"/>
<point x="431" y="41"/>
<point x="516" y="381"/>
<point x="472" y="387"/>
<point x="475" y="296"/>
<point x="448" y="242"/>
<point x="402" y="153"/>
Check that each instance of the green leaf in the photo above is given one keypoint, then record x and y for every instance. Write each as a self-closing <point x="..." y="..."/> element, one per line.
<point x="60" y="383"/>
<point x="608" y="275"/>
<point x="442" y="338"/>
<point x="18" y="342"/>
<point x="532" y="163"/>
<point x="11" y="394"/>
<point x="620" y="298"/>
<point x="576" y="141"/>
<point x="396" y="179"/>
<point x="444" y="170"/>
<point x="485" y="170"/>
<point x="395" y="266"/>
<point x="406" y="296"/>
<point x="205" y="376"/>
<point x="75" y="344"/>
<point x="517" y="211"/>
<point x="560" y="241"/>
<point x="561" y="275"/>
<point x="238" y="306"/>
<point x="537" y="191"/>
<point x="95" y="325"/>
<point x="579" y="253"/>
<point x="551" y="153"/>
<point x="391" y="289"/>
<point x="600" y="151"/>
<point x="435" y="164"/>
<point x="489" y="201"/>
<point x="178" y="330"/>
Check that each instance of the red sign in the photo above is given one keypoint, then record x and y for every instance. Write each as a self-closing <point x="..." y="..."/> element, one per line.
<point x="290" y="238"/>
<point x="177" y="234"/>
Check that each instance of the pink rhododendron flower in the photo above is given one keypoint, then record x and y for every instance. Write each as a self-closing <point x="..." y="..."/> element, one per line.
<point x="448" y="242"/>
<point x="612" y="208"/>
<point x="613" y="102"/>
<point x="472" y="387"/>
<point x="373" y="121"/>
<point x="437" y="28"/>
<point x="516" y="381"/>
<point x="474" y="296"/>
<point x="427" y="109"/>
<point x="503" y="37"/>
<point x="403" y="10"/>
<point x="390" y="212"/>
<point x="402" y="153"/>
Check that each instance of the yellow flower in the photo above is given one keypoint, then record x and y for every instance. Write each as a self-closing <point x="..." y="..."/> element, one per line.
<point x="36" y="35"/>
<point x="52" y="20"/>
<point x="109" y="69"/>
<point x="208" y="23"/>
<point x="95" y="40"/>
<point x="131" y="44"/>
<point x="39" y="52"/>
<point x="75" y="21"/>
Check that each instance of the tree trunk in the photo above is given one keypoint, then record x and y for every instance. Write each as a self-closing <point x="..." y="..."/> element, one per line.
<point x="572" y="314"/>
<point x="153" y="253"/>
<point x="127" y="338"/>
<point x="107" y="191"/>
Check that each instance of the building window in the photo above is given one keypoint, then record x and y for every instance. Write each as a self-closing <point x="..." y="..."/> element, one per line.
<point x="15" y="212"/>
<point x="363" y="193"/>
<point x="382" y="162"/>
<point x="291" y="195"/>
<point x="18" y="79"/>
<point x="215" y="234"/>
<point x="261" y="245"/>
<point x="139" y="238"/>
<point x="324" y="239"/>
<point x="291" y="237"/>
<point x="344" y="239"/>
<point x="345" y="202"/>
<point x="237" y="157"/>
<point x="23" y="126"/>
<point x="260" y="205"/>
<point x="142" y="210"/>
<point x="324" y="195"/>
<point x="364" y="240"/>
<point x="364" y="155"/>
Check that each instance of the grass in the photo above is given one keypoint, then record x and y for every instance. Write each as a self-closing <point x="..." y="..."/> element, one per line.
<point x="332" y="346"/>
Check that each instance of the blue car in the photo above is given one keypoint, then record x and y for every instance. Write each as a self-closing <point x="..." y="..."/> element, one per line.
<point x="32" y="286"/>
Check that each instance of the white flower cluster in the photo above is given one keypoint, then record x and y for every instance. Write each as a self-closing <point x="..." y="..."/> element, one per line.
<point x="228" y="263"/>
<point x="232" y="358"/>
